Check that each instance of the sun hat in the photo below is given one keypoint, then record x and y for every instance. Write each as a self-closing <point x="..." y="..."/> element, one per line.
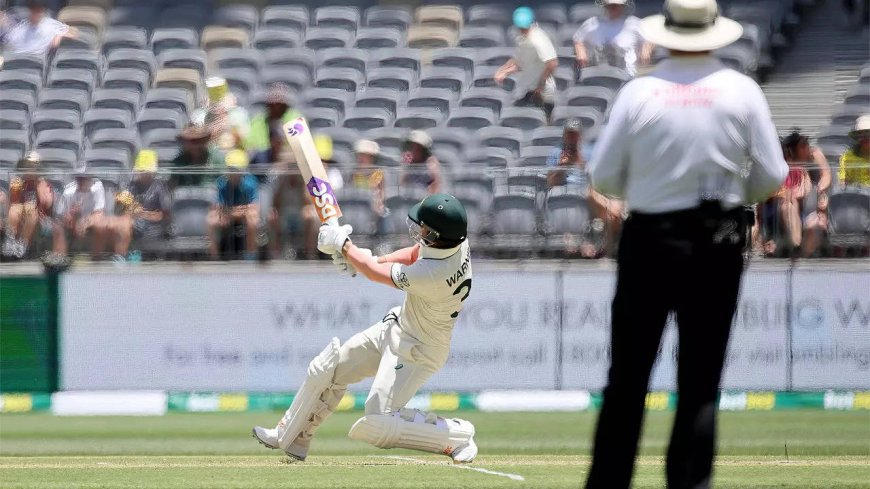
<point x="146" y="161"/>
<point x="862" y="127"/>
<point x="217" y="88"/>
<point x="367" y="147"/>
<point x="690" y="25"/>
<point x="323" y="144"/>
<point x="236" y="159"/>
<point x="193" y="132"/>
<point x="524" y="17"/>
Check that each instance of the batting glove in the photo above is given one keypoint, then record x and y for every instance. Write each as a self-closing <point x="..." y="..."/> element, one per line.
<point x="331" y="239"/>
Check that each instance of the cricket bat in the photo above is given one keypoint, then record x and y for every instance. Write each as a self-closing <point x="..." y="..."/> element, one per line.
<point x="313" y="173"/>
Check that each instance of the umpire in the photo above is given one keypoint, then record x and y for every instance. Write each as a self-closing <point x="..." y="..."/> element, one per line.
<point x="686" y="147"/>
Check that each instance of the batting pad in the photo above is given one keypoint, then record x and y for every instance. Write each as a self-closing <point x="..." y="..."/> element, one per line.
<point x="413" y="429"/>
<point x="307" y="401"/>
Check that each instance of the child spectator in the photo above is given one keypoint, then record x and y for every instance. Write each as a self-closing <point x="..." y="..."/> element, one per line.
<point x="30" y="202"/>
<point x="236" y="205"/>
<point x="81" y="211"/>
<point x="420" y="168"/>
<point x="144" y="206"/>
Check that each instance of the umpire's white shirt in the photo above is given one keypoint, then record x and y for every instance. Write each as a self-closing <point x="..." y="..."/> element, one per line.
<point x="690" y="127"/>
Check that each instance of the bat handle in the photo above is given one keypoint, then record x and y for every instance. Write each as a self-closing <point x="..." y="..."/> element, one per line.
<point x="332" y="221"/>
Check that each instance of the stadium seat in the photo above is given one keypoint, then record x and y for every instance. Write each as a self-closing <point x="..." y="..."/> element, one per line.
<point x="217" y="37"/>
<point x="101" y="160"/>
<point x="275" y="38"/>
<point x="462" y="57"/>
<point x="17" y="99"/>
<point x="24" y="62"/>
<point x="242" y="81"/>
<point x="57" y="159"/>
<point x="388" y="138"/>
<point x="237" y="15"/>
<point x="433" y="98"/>
<point x="77" y="79"/>
<point x="293" y="17"/>
<point x="139" y="59"/>
<point x="604" y="76"/>
<point x="525" y="118"/>
<point x="184" y="78"/>
<point x="566" y="211"/>
<point x="159" y="118"/>
<point x="448" y="136"/>
<point x="454" y="79"/>
<point x="509" y="138"/>
<point x="84" y="40"/>
<point x="589" y="117"/>
<point x="514" y="221"/>
<point x="547" y="136"/>
<point x="582" y="12"/>
<point x="343" y="138"/>
<point x="847" y="114"/>
<point x="391" y="16"/>
<point x="363" y="119"/>
<point x="70" y="139"/>
<point x="551" y="15"/>
<point x="849" y="219"/>
<point x="173" y="38"/>
<point x="418" y="118"/>
<point x="471" y="118"/>
<point x="333" y="98"/>
<point x="190" y="207"/>
<point x="9" y="158"/>
<point x="380" y="98"/>
<point x="449" y="16"/>
<point x="127" y="79"/>
<point x="230" y="58"/>
<point x="488" y="15"/>
<point x="15" y="139"/>
<point x="448" y="157"/>
<point x="567" y="57"/>
<point x="347" y="79"/>
<point x="378" y="38"/>
<point x="46" y="119"/>
<point x="193" y="59"/>
<point x="296" y="77"/>
<point x="490" y="157"/>
<point x="399" y="79"/>
<point x="64" y="98"/>
<point x="14" y="119"/>
<point x="298" y="57"/>
<point x="356" y="210"/>
<point x="129" y="37"/>
<point x="95" y="119"/>
<point x="835" y="135"/>
<point x="564" y="78"/>
<point x="484" y="77"/>
<point x="397" y="58"/>
<point x="341" y="17"/>
<point x="318" y="38"/>
<point x="160" y="138"/>
<point x="177" y="99"/>
<point x="858" y="95"/>
<point x="322" y="117"/>
<point x="127" y="139"/>
<point x="481" y="37"/>
<point x="491" y="98"/>
<point x="194" y="15"/>
<point x="586" y="96"/>
<point x="343" y="58"/>
<point x="430" y="37"/>
<point x="82" y="17"/>
<point x="15" y="80"/>
<point x="139" y="15"/>
<point x="115" y="98"/>
<point x="534" y="155"/>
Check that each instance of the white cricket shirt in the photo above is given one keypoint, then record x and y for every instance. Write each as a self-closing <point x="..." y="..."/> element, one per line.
<point x="87" y="200"/>
<point x="27" y="38"/>
<point x="436" y="285"/>
<point x="691" y="127"/>
<point x="533" y="52"/>
<point x="624" y="33"/>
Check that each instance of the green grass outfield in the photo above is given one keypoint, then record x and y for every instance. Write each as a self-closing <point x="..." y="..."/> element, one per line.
<point x="826" y="449"/>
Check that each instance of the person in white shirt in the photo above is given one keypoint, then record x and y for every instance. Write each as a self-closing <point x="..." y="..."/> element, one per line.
<point x="613" y="37"/>
<point x="81" y="214"/>
<point x="402" y="351"/>
<point x="37" y="34"/>
<point x="686" y="147"/>
<point x="535" y="60"/>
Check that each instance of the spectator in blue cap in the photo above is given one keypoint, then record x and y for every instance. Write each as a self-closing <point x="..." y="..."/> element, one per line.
<point x="535" y="60"/>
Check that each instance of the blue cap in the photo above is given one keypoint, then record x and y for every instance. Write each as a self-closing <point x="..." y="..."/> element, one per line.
<point x="524" y="17"/>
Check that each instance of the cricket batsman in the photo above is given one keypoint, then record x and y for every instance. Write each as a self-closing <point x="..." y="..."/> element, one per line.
<point x="401" y="351"/>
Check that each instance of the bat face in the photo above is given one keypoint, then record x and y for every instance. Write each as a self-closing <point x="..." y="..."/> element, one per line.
<point x="309" y="163"/>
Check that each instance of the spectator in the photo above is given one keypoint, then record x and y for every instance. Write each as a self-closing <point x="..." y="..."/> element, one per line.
<point x="420" y="167"/>
<point x="855" y="163"/>
<point x="30" y="202"/>
<point x="144" y="206"/>
<point x="263" y="160"/>
<point x="81" y="211"/>
<point x="37" y="34"/>
<point x="236" y="205"/>
<point x="535" y="59"/>
<point x="614" y="37"/>
<point x="368" y="176"/>
<point x="196" y="159"/>
<point x="568" y="163"/>
<point x="225" y="120"/>
<point x="278" y="112"/>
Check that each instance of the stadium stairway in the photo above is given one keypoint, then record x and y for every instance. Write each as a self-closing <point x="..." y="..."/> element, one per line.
<point x="811" y="79"/>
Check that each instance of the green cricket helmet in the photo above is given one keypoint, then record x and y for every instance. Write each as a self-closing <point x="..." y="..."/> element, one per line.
<point x="438" y="220"/>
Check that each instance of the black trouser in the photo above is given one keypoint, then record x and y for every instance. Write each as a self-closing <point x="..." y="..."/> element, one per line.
<point x="689" y="264"/>
<point x="532" y="100"/>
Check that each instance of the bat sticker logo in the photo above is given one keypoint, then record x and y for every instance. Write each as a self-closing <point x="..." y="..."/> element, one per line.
<point x="296" y="129"/>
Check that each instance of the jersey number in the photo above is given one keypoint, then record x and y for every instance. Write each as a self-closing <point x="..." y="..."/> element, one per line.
<point x="464" y="286"/>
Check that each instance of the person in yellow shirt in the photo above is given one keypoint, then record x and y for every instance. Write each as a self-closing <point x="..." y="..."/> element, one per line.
<point x="855" y="163"/>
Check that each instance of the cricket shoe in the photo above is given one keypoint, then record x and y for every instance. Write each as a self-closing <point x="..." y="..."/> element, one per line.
<point x="465" y="453"/>
<point x="268" y="437"/>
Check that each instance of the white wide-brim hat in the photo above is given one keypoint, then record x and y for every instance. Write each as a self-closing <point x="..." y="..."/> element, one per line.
<point x="862" y="127"/>
<point x="690" y="25"/>
<point x="612" y="2"/>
